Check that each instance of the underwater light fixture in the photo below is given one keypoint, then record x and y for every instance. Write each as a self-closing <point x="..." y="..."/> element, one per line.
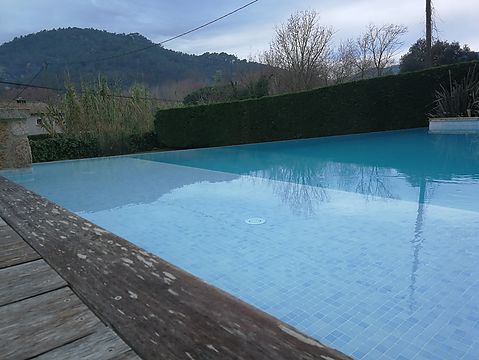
<point x="255" y="221"/>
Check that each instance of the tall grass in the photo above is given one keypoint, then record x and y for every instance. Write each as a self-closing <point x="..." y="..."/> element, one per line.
<point x="103" y="114"/>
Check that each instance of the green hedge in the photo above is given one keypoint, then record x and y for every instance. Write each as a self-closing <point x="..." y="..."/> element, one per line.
<point x="61" y="148"/>
<point x="46" y="148"/>
<point x="379" y="104"/>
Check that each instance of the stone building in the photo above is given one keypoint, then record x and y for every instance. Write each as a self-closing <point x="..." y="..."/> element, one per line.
<point x="15" y="149"/>
<point x="33" y="110"/>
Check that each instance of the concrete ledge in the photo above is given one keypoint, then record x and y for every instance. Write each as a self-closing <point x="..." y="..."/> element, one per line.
<point x="456" y="125"/>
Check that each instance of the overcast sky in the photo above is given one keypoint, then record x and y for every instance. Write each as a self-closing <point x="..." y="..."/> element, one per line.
<point x="245" y="33"/>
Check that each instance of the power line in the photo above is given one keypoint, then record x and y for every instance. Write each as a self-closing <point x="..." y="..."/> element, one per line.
<point x="44" y="66"/>
<point x="31" y="86"/>
<point x="126" y="53"/>
<point x="81" y="91"/>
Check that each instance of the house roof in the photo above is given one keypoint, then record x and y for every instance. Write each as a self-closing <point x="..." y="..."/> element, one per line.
<point x="34" y="107"/>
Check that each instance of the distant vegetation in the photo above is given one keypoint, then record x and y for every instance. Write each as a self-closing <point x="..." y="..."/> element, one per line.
<point x="347" y="108"/>
<point x="301" y="54"/>
<point x="98" y="114"/>
<point x="158" y="67"/>
<point x="301" y="57"/>
<point x="442" y="53"/>
<point x="234" y="90"/>
<point x="378" y="104"/>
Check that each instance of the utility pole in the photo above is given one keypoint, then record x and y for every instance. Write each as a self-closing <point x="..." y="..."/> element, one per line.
<point x="428" y="59"/>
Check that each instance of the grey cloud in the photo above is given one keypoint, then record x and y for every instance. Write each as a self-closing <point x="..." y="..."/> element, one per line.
<point x="243" y="33"/>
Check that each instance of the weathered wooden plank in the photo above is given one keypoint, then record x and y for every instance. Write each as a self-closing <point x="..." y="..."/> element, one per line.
<point x="104" y="344"/>
<point x="13" y="249"/>
<point x="130" y="355"/>
<point x="44" y="322"/>
<point x="161" y="311"/>
<point x="26" y="280"/>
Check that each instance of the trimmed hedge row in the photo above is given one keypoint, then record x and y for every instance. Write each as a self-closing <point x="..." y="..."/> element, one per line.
<point x="386" y="103"/>
<point x="60" y="148"/>
<point x="46" y="148"/>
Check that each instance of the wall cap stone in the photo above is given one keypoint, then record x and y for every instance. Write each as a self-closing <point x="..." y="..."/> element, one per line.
<point x="13" y="114"/>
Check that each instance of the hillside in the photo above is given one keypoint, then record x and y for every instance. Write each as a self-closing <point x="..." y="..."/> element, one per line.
<point x="22" y="57"/>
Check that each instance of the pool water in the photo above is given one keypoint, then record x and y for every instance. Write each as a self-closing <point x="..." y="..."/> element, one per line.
<point x="369" y="243"/>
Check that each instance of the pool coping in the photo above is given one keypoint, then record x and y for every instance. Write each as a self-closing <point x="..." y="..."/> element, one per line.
<point x="159" y="310"/>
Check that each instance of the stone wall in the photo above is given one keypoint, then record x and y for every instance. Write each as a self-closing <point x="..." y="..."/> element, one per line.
<point x="15" y="149"/>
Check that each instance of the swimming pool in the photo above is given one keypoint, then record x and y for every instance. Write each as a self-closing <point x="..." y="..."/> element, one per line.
<point x="369" y="242"/>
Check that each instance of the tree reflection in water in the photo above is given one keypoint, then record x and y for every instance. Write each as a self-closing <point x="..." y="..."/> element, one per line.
<point x="302" y="186"/>
<point x="373" y="182"/>
<point x="370" y="181"/>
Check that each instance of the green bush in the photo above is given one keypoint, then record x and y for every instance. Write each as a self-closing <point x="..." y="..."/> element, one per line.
<point x="386" y="103"/>
<point x="460" y="98"/>
<point x="46" y="148"/>
<point x="60" y="148"/>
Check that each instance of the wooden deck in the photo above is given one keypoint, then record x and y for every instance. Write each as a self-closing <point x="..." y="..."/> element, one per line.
<point x="41" y="317"/>
<point x="159" y="310"/>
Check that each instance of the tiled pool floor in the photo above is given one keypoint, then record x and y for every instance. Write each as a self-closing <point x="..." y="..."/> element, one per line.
<point x="377" y="260"/>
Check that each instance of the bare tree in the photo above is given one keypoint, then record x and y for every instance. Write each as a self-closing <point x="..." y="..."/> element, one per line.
<point x="343" y="63"/>
<point x="362" y="56"/>
<point x="299" y="51"/>
<point x="383" y="43"/>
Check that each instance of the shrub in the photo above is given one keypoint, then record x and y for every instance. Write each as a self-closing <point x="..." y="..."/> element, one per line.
<point x="61" y="148"/>
<point x="461" y="98"/>
<point x="96" y="121"/>
<point x="387" y="103"/>
<point x="47" y="148"/>
<point x="102" y="115"/>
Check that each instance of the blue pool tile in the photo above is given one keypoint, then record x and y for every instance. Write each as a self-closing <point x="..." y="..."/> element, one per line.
<point x="359" y="353"/>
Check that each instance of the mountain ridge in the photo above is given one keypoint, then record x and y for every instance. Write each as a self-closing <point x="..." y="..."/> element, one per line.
<point x="23" y="56"/>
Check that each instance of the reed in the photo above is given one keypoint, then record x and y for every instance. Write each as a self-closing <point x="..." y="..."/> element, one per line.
<point x="103" y="114"/>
